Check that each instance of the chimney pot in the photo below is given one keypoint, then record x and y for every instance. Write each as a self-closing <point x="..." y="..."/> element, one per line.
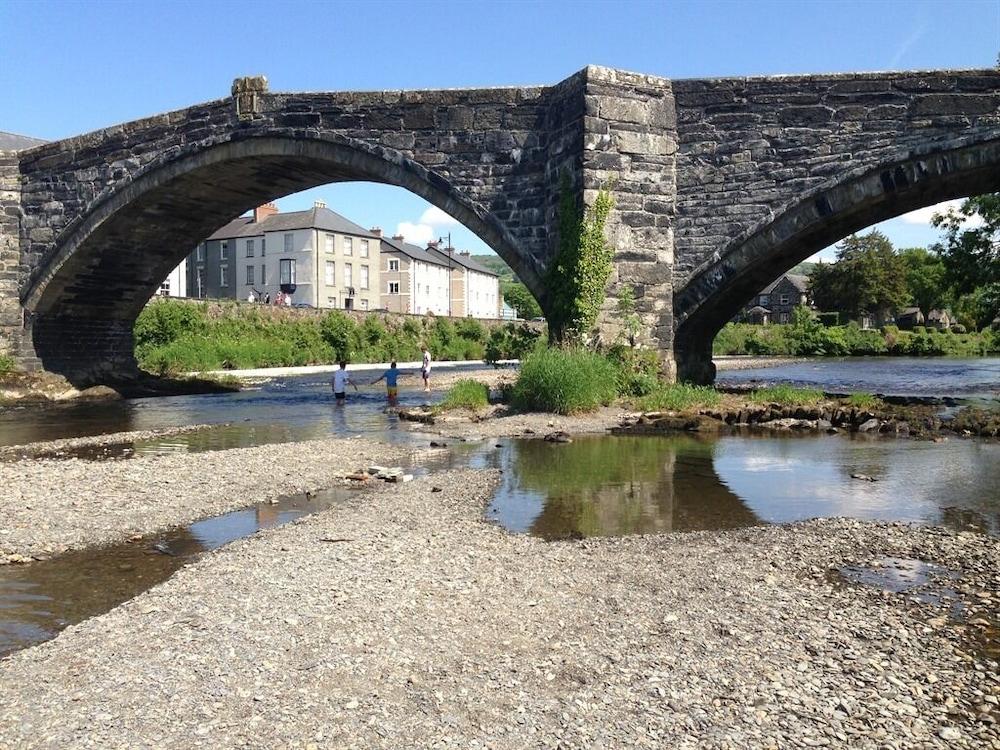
<point x="319" y="204"/>
<point x="398" y="237"/>
<point x="377" y="231"/>
<point x="262" y="212"/>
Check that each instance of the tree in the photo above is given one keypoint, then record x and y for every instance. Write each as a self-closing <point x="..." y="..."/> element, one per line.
<point x="971" y="243"/>
<point x="868" y="277"/>
<point x="517" y="296"/>
<point x="925" y="279"/>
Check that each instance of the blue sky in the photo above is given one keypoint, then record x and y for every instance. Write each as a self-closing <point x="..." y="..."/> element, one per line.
<point x="74" y="66"/>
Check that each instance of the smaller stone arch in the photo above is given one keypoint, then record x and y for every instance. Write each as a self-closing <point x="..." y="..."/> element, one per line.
<point x="849" y="203"/>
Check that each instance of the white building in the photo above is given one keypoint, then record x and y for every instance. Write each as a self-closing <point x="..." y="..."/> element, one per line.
<point x="175" y="285"/>
<point x="317" y="256"/>
<point x="475" y="290"/>
<point x="413" y="280"/>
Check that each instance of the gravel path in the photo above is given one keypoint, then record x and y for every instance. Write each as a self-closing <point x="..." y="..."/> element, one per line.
<point x="52" y="505"/>
<point x="424" y="626"/>
<point x="462" y="424"/>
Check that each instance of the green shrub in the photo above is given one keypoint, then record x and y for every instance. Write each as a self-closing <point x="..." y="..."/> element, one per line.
<point x="6" y="363"/>
<point x="471" y="330"/>
<point x="466" y="394"/>
<point x="165" y="321"/>
<point x="340" y="333"/>
<point x="865" y="401"/>
<point x="564" y="381"/>
<point x="678" y="396"/>
<point x="638" y="370"/>
<point x="510" y="341"/>
<point x="786" y="394"/>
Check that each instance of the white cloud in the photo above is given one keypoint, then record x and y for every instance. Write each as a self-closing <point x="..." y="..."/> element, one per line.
<point x="435" y="217"/>
<point x="416" y="234"/>
<point x="924" y="215"/>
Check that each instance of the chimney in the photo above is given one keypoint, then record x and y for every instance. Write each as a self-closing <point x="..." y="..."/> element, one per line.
<point x="377" y="231"/>
<point x="398" y="237"/>
<point x="262" y="212"/>
<point x="319" y="204"/>
<point x="432" y="244"/>
<point x="464" y="253"/>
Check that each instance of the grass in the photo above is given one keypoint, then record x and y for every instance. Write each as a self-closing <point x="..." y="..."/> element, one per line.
<point x="565" y="381"/>
<point x="786" y="395"/>
<point x="865" y="401"/>
<point x="466" y="394"/>
<point x="677" y="397"/>
<point x="6" y="363"/>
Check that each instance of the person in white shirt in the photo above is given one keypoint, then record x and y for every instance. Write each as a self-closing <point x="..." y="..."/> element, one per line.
<point x="425" y="369"/>
<point x="340" y="382"/>
<point x="250" y="297"/>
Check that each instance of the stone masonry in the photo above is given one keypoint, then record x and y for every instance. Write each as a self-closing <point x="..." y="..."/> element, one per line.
<point x="720" y="186"/>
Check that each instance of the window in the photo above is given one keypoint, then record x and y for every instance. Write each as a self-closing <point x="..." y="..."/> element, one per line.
<point x="249" y="248"/>
<point x="201" y="282"/>
<point x="783" y="300"/>
<point x="364" y="248"/>
<point x="331" y="271"/>
<point x="263" y="276"/>
<point x="783" y="318"/>
<point x="393" y="265"/>
<point x="348" y="275"/>
<point x="764" y="299"/>
<point x="393" y="287"/>
<point x="263" y="246"/>
<point x="328" y="241"/>
<point x="331" y="301"/>
<point x="200" y="252"/>
<point x="348" y="246"/>
<point x="224" y="275"/>
<point x="364" y="277"/>
<point x="364" y="304"/>
<point x="223" y="250"/>
<point x="250" y="275"/>
<point x="288" y="243"/>
<point x="286" y="270"/>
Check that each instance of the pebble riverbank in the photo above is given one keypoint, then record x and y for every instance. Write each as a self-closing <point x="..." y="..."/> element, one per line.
<point x="50" y="505"/>
<point x="402" y="618"/>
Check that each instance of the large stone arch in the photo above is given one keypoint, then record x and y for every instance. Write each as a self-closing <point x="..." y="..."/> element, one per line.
<point x="848" y="203"/>
<point x="86" y="295"/>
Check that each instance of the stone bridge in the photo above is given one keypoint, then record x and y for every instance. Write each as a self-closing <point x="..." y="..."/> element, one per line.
<point x="720" y="186"/>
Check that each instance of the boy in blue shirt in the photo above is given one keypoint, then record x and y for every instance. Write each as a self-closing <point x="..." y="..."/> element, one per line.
<point x="390" y="377"/>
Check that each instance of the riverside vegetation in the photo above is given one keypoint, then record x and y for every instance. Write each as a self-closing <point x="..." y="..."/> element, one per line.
<point x="173" y="336"/>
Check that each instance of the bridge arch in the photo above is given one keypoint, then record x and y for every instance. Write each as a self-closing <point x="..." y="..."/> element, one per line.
<point x="88" y="291"/>
<point x="821" y="217"/>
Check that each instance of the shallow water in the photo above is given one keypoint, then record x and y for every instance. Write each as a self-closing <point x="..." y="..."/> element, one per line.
<point x="40" y="599"/>
<point x="607" y="486"/>
<point x="903" y="376"/>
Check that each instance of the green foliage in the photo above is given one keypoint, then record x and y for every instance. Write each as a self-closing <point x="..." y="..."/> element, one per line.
<point x="678" y="397"/>
<point x="517" y="296"/>
<point x="971" y="254"/>
<point x="466" y="394"/>
<point x="510" y="341"/>
<point x="786" y="395"/>
<point x="579" y="276"/>
<point x="865" y="401"/>
<point x="564" y="381"/>
<point x="631" y="323"/>
<point x="925" y="279"/>
<point x="174" y="337"/>
<point x="638" y="370"/>
<point x="868" y="277"/>
<point x="6" y="363"/>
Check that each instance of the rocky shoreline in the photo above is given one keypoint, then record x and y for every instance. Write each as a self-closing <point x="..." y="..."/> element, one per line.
<point x="426" y="626"/>
<point x="51" y="505"/>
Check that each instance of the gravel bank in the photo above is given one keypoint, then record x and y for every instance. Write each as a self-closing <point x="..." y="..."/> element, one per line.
<point x="424" y="626"/>
<point x="498" y="422"/>
<point x="745" y="362"/>
<point x="51" y="448"/>
<point x="50" y="505"/>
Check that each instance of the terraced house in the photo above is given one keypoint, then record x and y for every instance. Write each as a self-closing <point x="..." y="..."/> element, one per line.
<point x="317" y="256"/>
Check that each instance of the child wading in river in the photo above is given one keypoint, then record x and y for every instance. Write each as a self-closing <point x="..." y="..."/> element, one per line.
<point x="391" y="377"/>
<point x="425" y="369"/>
<point x="340" y="382"/>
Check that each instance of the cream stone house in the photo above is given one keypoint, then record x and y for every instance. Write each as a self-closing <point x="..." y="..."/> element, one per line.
<point x="317" y="256"/>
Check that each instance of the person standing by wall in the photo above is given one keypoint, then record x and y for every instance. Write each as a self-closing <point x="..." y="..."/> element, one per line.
<point x="340" y="382"/>
<point x="425" y="369"/>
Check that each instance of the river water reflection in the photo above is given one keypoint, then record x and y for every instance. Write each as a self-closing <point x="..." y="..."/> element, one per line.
<point x="602" y="485"/>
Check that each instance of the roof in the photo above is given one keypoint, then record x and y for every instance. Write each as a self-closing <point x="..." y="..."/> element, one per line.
<point x="314" y="218"/>
<point x="758" y="310"/>
<point x="462" y="260"/>
<point x="390" y="245"/>
<point x="15" y="142"/>
<point x="799" y="282"/>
